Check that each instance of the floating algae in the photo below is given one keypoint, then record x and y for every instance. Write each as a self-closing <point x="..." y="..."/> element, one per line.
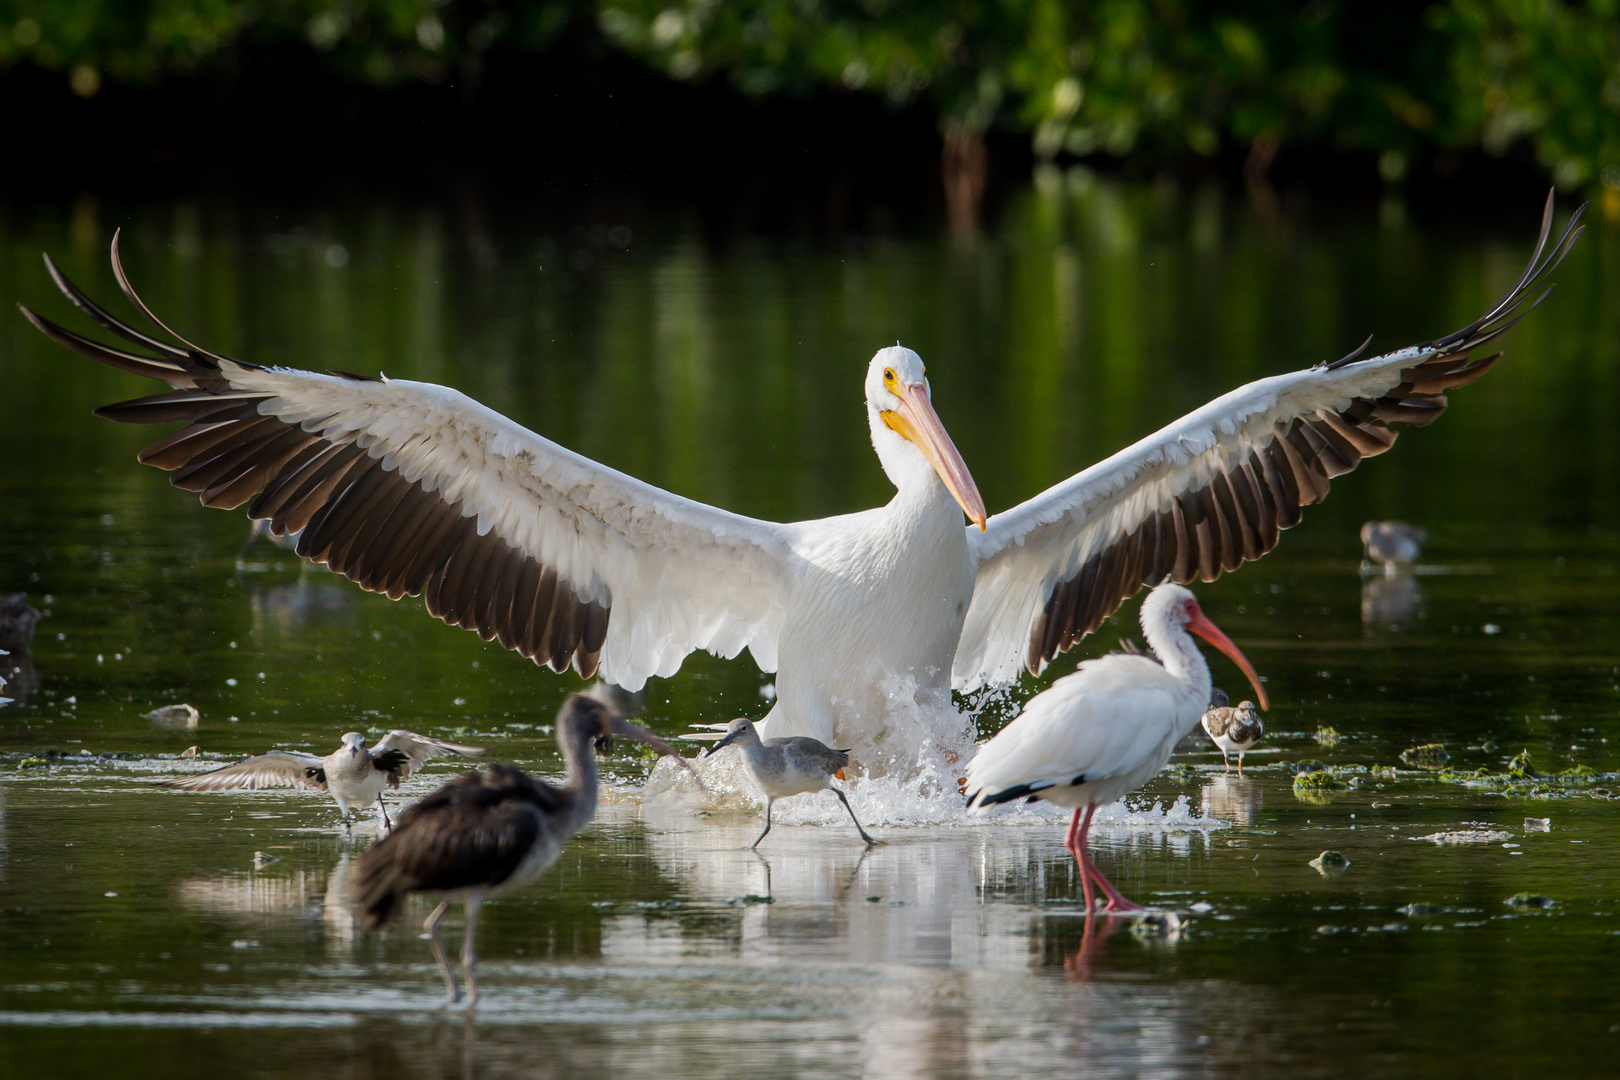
<point x="1427" y="756"/>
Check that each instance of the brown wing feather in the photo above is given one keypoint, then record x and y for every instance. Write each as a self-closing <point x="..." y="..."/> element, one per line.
<point x="365" y="521"/>
<point x="1236" y="517"/>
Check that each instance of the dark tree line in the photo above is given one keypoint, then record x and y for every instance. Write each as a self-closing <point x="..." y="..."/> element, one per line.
<point x="1159" y="79"/>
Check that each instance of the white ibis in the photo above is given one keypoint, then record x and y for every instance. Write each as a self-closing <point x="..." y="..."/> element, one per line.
<point x="350" y="774"/>
<point x="1394" y="545"/>
<point x="1105" y="730"/>
<point x="410" y="488"/>
<point x="1234" y="728"/>
<point x="788" y="765"/>
<point x="489" y="832"/>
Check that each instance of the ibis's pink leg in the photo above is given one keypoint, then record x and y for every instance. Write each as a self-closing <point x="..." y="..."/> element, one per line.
<point x="1075" y="841"/>
<point x="1088" y="869"/>
<point x="1116" y="899"/>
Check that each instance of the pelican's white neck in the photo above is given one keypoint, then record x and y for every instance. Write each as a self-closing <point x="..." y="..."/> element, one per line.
<point x="906" y="466"/>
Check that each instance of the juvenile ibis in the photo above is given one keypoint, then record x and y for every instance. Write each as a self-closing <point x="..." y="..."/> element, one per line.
<point x="350" y="774"/>
<point x="788" y="765"/>
<point x="413" y="489"/>
<point x="1109" y="727"/>
<point x="488" y="832"/>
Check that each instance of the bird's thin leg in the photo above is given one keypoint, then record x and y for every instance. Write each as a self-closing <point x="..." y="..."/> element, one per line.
<point x="469" y="959"/>
<point x="387" y="825"/>
<point x="1240" y="764"/>
<point x="755" y="844"/>
<point x="431" y="925"/>
<point x="852" y="817"/>
<point x="1090" y="870"/>
<point x="1075" y="841"/>
<point x="1117" y="901"/>
<point x="1228" y="759"/>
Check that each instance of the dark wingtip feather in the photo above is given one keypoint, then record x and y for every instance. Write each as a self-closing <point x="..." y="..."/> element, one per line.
<point x="1352" y="356"/>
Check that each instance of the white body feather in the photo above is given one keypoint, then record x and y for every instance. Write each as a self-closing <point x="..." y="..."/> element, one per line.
<point x="832" y="605"/>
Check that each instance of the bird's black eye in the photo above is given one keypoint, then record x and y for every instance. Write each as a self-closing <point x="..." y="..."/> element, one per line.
<point x="888" y="374"/>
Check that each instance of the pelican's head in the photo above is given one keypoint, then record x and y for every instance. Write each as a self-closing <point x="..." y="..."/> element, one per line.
<point x="906" y="432"/>
<point x="354" y="742"/>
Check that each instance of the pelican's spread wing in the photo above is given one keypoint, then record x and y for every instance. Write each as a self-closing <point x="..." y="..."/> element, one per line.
<point x="416" y="749"/>
<point x="1207" y="493"/>
<point x="1102" y="721"/>
<point x="278" y="768"/>
<point x="410" y="488"/>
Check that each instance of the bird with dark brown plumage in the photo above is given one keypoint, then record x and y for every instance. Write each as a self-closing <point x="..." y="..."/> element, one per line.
<point x="489" y="832"/>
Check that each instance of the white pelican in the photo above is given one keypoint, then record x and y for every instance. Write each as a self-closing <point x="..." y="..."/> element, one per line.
<point x="1106" y="729"/>
<point x="351" y="773"/>
<point x="1234" y="728"/>
<point x="410" y="488"/>
<point x="488" y="832"/>
<point x="791" y="765"/>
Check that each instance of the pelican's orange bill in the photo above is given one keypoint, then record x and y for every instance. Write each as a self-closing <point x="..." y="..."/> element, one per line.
<point x="917" y="422"/>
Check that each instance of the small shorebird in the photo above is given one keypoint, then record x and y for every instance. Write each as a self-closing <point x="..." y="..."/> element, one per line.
<point x="788" y="766"/>
<point x="1394" y="545"/>
<point x="349" y="774"/>
<point x="488" y="832"/>
<point x="1234" y="729"/>
<point x="1108" y="728"/>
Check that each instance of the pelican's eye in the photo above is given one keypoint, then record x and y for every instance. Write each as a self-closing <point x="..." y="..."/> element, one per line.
<point x="888" y="375"/>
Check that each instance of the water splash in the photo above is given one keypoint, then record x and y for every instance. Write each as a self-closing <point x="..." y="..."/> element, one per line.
<point x="926" y="797"/>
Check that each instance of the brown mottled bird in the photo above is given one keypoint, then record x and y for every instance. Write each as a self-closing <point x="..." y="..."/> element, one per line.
<point x="1234" y="728"/>
<point x="489" y="832"/>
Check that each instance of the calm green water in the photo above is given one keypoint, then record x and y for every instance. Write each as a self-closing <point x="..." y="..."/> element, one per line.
<point x="137" y="939"/>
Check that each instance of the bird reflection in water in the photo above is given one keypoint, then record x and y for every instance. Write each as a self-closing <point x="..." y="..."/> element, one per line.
<point x="280" y="893"/>
<point x="1388" y="601"/>
<point x="282" y="612"/>
<point x="1077" y="965"/>
<point x="18" y="678"/>
<point x="1237" y="799"/>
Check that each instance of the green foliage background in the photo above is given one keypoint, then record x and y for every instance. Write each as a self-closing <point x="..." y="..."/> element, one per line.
<point x="1168" y="79"/>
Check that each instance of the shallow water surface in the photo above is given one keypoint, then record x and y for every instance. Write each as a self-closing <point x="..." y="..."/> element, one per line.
<point x="136" y="932"/>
